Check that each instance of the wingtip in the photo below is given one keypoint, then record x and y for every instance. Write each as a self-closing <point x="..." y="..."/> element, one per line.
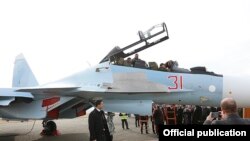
<point x="20" y="56"/>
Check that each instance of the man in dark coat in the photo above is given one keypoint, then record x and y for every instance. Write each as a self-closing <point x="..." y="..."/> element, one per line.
<point x="158" y="116"/>
<point x="137" y="123"/>
<point x="229" y="115"/>
<point x="98" y="127"/>
<point x="179" y="115"/>
<point x="197" y="115"/>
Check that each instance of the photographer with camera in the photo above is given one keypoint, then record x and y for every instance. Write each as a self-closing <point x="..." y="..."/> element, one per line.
<point x="228" y="114"/>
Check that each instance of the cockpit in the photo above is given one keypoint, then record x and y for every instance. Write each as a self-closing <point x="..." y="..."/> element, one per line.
<point x="149" y="38"/>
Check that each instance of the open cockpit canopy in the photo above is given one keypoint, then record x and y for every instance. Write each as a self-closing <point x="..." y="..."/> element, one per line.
<point x="151" y="37"/>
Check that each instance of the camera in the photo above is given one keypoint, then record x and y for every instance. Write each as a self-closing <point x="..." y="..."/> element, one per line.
<point x="215" y="114"/>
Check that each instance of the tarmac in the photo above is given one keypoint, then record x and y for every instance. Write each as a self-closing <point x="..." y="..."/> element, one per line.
<point x="70" y="130"/>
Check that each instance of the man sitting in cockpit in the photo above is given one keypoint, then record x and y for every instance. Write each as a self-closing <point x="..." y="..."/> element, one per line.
<point x="138" y="63"/>
<point x="136" y="58"/>
<point x="163" y="67"/>
<point x="128" y="62"/>
<point x="173" y="66"/>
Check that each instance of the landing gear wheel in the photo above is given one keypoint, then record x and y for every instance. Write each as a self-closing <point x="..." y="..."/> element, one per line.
<point x="49" y="129"/>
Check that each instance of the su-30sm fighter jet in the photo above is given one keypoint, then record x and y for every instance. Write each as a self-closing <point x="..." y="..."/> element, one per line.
<point x="124" y="88"/>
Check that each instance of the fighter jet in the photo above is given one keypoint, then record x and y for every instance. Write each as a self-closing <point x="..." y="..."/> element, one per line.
<point x="124" y="88"/>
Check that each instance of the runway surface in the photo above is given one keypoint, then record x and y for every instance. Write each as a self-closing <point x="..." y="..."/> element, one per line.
<point x="70" y="129"/>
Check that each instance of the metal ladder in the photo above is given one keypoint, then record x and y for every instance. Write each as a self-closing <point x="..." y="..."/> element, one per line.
<point x="170" y="115"/>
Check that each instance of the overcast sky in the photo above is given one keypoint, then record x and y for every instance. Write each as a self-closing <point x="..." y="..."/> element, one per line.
<point x="60" y="37"/>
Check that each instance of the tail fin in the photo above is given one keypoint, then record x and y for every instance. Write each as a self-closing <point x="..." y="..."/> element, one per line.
<point x="22" y="74"/>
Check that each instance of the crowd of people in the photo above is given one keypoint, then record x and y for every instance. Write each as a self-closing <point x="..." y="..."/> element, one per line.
<point x="102" y="128"/>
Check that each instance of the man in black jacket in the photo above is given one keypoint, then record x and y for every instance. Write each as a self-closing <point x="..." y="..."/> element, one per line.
<point x="98" y="127"/>
<point x="158" y="118"/>
<point x="197" y="115"/>
<point x="229" y="115"/>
